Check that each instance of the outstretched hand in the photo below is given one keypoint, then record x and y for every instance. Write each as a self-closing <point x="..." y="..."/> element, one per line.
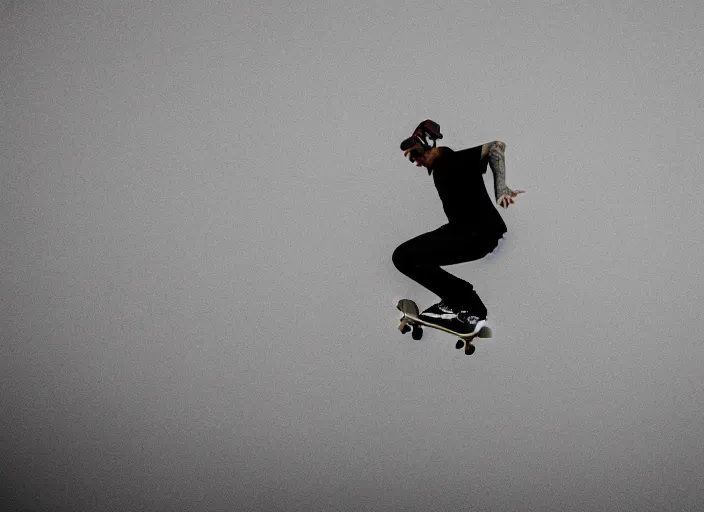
<point x="507" y="199"/>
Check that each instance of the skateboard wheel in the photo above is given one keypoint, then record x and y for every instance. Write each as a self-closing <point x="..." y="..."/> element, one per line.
<point x="460" y="344"/>
<point x="417" y="333"/>
<point x="469" y="349"/>
<point x="406" y="329"/>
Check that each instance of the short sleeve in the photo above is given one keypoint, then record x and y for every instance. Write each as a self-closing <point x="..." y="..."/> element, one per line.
<point x="471" y="159"/>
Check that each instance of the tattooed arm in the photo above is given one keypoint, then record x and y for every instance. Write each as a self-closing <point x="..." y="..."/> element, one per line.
<point x="495" y="151"/>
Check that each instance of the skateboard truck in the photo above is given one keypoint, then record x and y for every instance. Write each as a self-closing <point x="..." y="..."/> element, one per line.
<point x="407" y="326"/>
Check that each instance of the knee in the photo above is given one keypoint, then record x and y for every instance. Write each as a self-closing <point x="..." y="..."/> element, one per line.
<point x="493" y="244"/>
<point x="400" y="258"/>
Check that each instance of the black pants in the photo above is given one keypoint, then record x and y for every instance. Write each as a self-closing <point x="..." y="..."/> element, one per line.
<point x="421" y="258"/>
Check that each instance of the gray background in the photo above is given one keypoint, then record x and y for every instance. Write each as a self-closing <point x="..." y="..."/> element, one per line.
<point x="199" y="203"/>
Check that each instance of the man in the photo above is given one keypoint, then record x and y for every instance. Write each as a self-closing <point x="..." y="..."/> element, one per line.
<point x="473" y="230"/>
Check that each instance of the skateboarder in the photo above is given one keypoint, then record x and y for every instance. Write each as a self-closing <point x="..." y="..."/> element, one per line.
<point x="473" y="230"/>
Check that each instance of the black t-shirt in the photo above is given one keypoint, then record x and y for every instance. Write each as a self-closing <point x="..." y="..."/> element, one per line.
<point x="458" y="176"/>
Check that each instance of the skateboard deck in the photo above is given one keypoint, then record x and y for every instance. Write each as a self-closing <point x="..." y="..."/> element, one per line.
<point x="411" y="321"/>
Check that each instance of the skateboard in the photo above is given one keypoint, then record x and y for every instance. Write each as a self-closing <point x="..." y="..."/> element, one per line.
<point x="411" y="321"/>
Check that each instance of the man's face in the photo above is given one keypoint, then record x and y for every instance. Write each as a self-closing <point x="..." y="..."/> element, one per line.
<point x="415" y="154"/>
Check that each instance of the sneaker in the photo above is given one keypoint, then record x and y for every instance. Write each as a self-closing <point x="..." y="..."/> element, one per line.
<point x="460" y="320"/>
<point x="441" y="310"/>
<point x="452" y="318"/>
<point x="472" y="324"/>
<point x="469" y="312"/>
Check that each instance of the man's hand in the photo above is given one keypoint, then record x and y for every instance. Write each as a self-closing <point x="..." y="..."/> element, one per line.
<point x="506" y="199"/>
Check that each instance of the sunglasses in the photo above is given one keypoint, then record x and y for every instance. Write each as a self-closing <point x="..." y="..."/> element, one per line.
<point x="409" y="143"/>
